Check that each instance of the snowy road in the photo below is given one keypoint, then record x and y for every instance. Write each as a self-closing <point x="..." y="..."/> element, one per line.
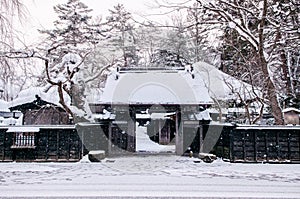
<point x="149" y="176"/>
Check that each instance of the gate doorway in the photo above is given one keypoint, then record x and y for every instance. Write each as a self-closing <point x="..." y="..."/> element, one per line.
<point x="145" y="143"/>
<point x="156" y="130"/>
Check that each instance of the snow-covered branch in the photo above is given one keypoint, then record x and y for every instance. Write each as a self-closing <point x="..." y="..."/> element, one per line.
<point x="233" y="22"/>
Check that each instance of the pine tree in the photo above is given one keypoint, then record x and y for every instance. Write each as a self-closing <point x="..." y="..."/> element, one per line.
<point x="149" y="39"/>
<point x="72" y="39"/>
<point x="122" y="35"/>
<point x="200" y="42"/>
<point x="176" y="39"/>
<point x="74" y="26"/>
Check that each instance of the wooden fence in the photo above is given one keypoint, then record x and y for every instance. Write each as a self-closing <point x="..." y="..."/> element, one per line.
<point x="48" y="143"/>
<point x="250" y="143"/>
<point x="265" y="144"/>
<point x="69" y="143"/>
<point x="61" y="142"/>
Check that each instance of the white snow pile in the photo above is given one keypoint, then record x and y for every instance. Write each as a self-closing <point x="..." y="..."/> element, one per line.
<point x="145" y="144"/>
<point x="85" y="159"/>
<point x="203" y="115"/>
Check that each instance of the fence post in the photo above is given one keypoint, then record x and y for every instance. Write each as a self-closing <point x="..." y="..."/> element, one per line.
<point x="201" y="138"/>
<point x="255" y="145"/>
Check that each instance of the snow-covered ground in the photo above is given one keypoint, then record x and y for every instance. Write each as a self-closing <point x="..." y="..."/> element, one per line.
<point x="148" y="176"/>
<point x="145" y="144"/>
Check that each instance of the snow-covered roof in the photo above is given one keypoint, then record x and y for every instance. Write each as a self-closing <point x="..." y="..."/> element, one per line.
<point x="10" y="121"/>
<point x="4" y="106"/>
<point x="29" y="95"/>
<point x="155" y="87"/>
<point x="218" y="83"/>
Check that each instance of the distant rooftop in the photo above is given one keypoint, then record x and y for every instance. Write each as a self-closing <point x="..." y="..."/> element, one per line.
<point x="160" y="60"/>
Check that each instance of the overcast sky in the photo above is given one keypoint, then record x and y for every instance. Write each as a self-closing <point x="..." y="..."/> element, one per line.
<point x="40" y="13"/>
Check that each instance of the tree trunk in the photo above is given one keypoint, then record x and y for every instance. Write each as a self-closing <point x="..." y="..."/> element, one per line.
<point x="271" y="91"/>
<point x="286" y="74"/>
<point x="274" y="103"/>
<point x="62" y="100"/>
<point x="269" y="84"/>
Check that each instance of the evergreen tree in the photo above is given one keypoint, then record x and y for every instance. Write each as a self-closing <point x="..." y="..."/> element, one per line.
<point x="72" y="39"/>
<point x="238" y="60"/>
<point x="168" y="60"/>
<point x="200" y="42"/>
<point x="74" y="26"/>
<point x="122" y="35"/>
<point x="176" y="39"/>
<point x="150" y="38"/>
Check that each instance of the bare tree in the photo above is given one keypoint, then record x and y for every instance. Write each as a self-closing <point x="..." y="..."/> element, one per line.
<point x="249" y="99"/>
<point x="252" y="22"/>
<point x="10" y="9"/>
<point x="13" y="72"/>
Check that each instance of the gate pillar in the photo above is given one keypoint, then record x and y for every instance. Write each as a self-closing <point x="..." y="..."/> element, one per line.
<point x="179" y="134"/>
<point x="131" y="145"/>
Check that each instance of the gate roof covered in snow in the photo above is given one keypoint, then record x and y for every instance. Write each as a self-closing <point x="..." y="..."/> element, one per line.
<point x="155" y="87"/>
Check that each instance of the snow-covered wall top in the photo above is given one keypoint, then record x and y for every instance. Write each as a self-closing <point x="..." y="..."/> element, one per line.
<point x="155" y="87"/>
<point x="290" y="109"/>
